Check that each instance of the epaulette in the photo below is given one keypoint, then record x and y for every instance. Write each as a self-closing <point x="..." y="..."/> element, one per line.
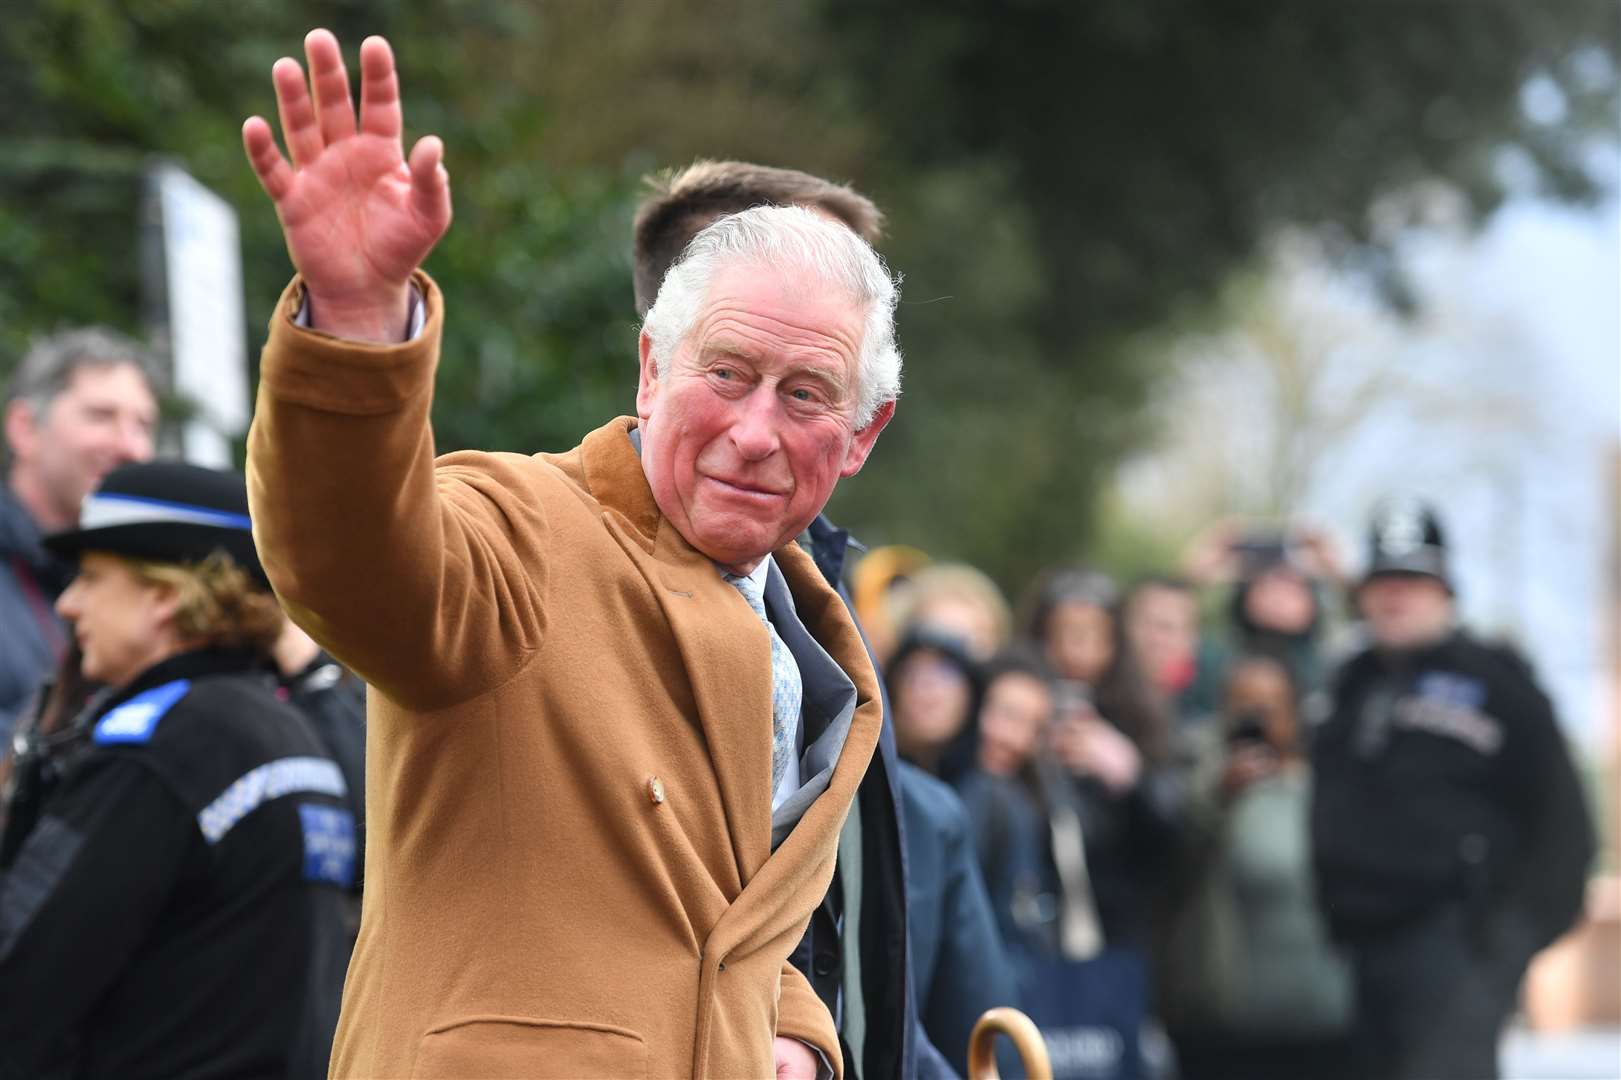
<point x="136" y="719"/>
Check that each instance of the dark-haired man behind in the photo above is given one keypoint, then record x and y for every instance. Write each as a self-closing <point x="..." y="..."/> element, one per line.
<point x="857" y="951"/>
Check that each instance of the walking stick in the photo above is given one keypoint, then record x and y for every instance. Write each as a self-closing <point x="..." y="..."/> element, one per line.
<point x="1026" y="1039"/>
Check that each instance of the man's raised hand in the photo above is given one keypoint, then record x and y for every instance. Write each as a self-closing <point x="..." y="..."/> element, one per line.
<point x="358" y="216"/>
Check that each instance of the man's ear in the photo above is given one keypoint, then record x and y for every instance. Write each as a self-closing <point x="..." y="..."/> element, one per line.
<point x="22" y="430"/>
<point x="862" y="442"/>
<point x="647" y="382"/>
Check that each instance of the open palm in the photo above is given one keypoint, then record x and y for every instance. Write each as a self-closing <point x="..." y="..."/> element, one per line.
<point x="358" y="216"/>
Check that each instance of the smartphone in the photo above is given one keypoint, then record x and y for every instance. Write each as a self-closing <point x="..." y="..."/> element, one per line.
<point x="1072" y="695"/>
<point x="1258" y="551"/>
<point x="1248" y="729"/>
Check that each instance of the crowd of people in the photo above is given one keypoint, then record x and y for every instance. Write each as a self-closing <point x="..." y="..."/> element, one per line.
<point x="1281" y="815"/>
<point x="1130" y="771"/>
<point x="666" y="779"/>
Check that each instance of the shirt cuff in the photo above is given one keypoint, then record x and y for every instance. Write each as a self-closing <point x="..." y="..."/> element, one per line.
<point x="413" y="327"/>
<point x="824" y="1070"/>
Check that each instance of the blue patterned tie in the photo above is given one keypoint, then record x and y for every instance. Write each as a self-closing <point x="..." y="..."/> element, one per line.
<point x="786" y="688"/>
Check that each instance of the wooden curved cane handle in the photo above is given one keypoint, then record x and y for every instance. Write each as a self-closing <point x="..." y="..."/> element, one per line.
<point x="1026" y="1039"/>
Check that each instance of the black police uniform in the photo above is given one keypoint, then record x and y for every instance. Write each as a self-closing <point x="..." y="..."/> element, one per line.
<point x="177" y="909"/>
<point x="1451" y="843"/>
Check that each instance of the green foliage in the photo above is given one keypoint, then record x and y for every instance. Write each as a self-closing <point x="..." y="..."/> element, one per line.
<point x="1065" y="183"/>
<point x="540" y="343"/>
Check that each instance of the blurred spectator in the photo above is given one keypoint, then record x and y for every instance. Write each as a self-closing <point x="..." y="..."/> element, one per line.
<point x="1070" y="617"/>
<point x="1016" y="715"/>
<point x="1252" y="989"/>
<point x="956" y="599"/>
<point x="1275" y="611"/>
<point x="1029" y="836"/>
<point x="1449" y="828"/>
<point x="933" y="696"/>
<point x="960" y="965"/>
<point x="1278" y="582"/>
<point x="1161" y="616"/>
<point x="1111" y="737"/>
<point x="877" y="584"/>
<point x="80" y="404"/>
<point x="177" y="907"/>
<point x="1087" y="993"/>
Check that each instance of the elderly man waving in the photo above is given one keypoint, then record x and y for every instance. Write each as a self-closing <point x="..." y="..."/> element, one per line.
<point x="618" y="717"/>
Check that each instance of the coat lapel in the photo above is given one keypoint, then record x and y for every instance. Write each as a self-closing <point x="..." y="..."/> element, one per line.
<point x="724" y="648"/>
<point x="792" y="881"/>
<point x="727" y="656"/>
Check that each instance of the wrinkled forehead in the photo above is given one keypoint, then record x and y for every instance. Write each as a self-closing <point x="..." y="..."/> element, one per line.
<point x="780" y="303"/>
<point x="787" y="279"/>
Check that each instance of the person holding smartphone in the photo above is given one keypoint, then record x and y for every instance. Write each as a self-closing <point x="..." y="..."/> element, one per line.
<point x="1251" y="986"/>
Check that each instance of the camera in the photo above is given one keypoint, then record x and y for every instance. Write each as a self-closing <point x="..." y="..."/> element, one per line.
<point x="1248" y="729"/>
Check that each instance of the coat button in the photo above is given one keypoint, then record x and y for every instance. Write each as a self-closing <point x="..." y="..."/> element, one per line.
<point x="825" y="964"/>
<point x="655" y="790"/>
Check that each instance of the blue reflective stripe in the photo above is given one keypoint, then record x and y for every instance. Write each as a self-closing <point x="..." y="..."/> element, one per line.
<point x="136" y="719"/>
<point x="272" y="780"/>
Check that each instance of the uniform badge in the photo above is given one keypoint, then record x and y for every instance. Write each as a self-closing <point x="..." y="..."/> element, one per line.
<point x="137" y="719"/>
<point x="329" y="844"/>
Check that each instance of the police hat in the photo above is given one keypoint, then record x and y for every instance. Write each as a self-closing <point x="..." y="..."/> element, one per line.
<point x="166" y="511"/>
<point x="1405" y="537"/>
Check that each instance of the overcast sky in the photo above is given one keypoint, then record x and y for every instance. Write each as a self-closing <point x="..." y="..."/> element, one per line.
<point x="1532" y="310"/>
<point x="1501" y="405"/>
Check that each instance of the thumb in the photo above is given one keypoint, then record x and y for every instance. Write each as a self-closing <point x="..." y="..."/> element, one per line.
<point x="430" y="184"/>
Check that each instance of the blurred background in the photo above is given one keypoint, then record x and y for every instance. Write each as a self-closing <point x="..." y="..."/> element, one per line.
<point x="1165" y="261"/>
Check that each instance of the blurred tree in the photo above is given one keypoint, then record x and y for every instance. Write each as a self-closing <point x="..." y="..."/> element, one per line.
<point x="1065" y="183"/>
<point x="540" y="346"/>
<point x="1145" y="150"/>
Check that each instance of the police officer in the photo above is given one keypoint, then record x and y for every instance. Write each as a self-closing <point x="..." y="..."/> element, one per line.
<point x="1450" y="833"/>
<point x="176" y="908"/>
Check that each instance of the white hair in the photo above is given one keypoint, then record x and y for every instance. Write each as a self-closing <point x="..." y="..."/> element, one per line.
<point x="825" y="252"/>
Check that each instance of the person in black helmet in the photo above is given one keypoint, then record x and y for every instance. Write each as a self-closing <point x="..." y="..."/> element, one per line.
<point x="1450" y="833"/>
<point x="176" y="907"/>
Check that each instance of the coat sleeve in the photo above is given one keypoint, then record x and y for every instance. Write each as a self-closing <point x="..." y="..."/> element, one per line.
<point x="86" y="889"/>
<point x="801" y="1015"/>
<point x="420" y="576"/>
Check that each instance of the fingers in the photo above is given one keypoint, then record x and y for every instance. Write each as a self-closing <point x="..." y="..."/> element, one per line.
<point x="274" y="174"/>
<point x="298" y="124"/>
<point x="379" y="90"/>
<point x="334" y="111"/>
<point x="430" y="183"/>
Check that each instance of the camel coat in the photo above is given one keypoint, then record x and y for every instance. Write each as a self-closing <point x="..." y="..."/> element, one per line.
<point x="569" y="869"/>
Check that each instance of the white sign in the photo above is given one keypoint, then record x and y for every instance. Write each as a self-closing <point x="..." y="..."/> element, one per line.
<point x="202" y="260"/>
